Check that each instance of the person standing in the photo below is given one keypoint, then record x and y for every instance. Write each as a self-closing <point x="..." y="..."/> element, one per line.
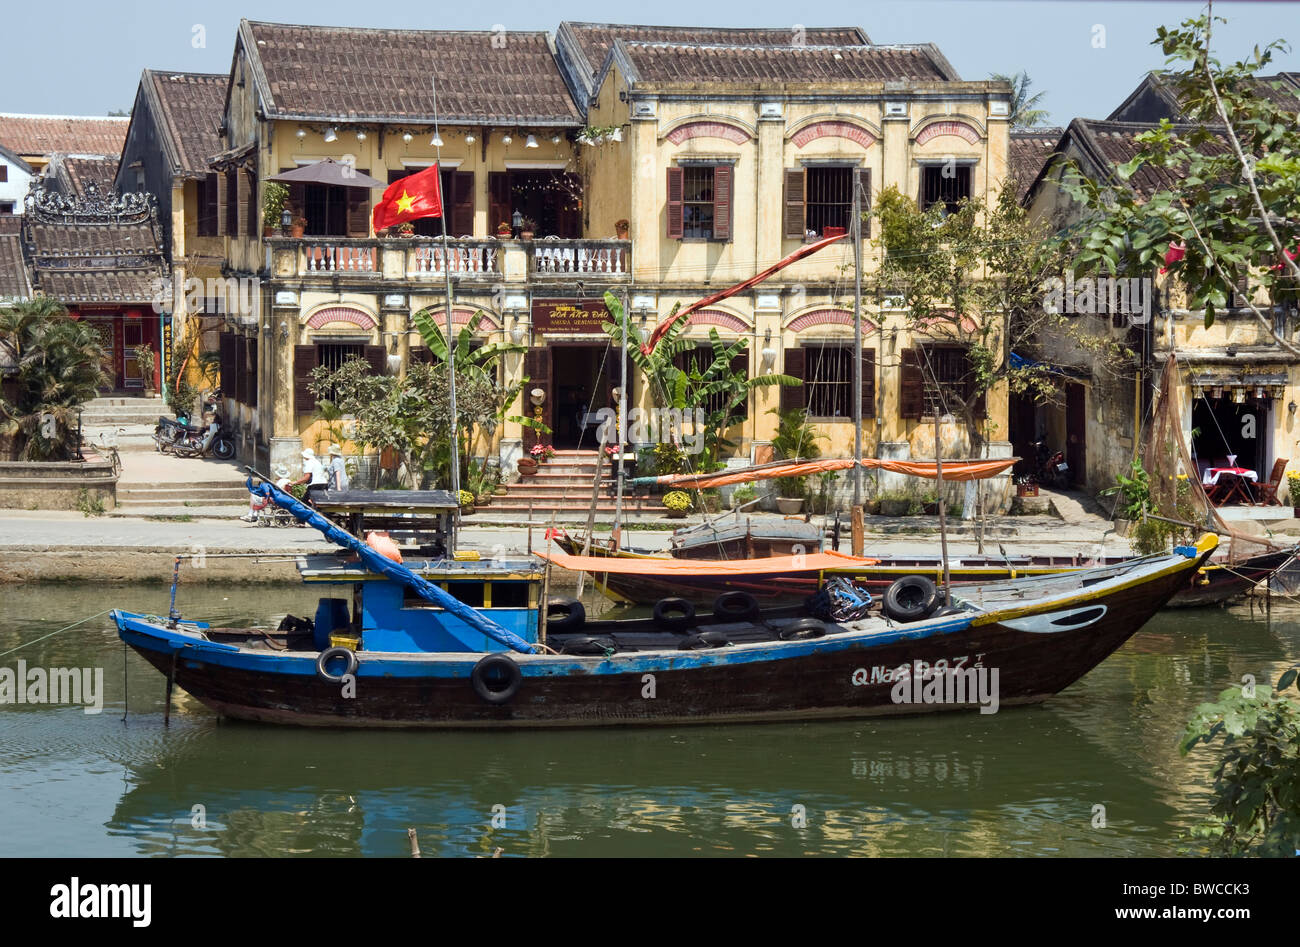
<point x="338" y="469"/>
<point x="313" y="475"/>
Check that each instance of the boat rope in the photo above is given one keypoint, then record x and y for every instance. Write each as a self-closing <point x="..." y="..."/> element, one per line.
<point x="53" y="633"/>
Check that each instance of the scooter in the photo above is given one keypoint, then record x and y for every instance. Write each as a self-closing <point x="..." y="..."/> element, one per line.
<point x="1051" y="466"/>
<point x="183" y="440"/>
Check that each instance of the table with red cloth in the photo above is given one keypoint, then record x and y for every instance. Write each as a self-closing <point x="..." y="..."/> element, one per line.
<point x="1225" y="484"/>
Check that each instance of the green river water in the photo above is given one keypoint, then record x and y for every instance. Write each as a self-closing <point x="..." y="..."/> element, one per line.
<point x="1024" y="781"/>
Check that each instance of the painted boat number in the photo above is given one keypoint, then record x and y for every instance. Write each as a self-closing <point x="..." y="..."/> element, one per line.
<point x="886" y="675"/>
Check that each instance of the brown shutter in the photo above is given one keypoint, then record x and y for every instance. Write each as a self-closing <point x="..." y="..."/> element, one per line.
<point x="537" y="368"/>
<point x="226" y="207"/>
<point x="297" y="199"/>
<point x="242" y="205"/>
<point x="420" y="354"/>
<point x="793" y="397"/>
<point x="911" y="387"/>
<point x="498" y="200"/>
<point x="241" y="369"/>
<point x="226" y="352"/>
<point x="676" y="185"/>
<point x="359" y="209"/>
<point x="722" y="201"/>
<point x="869" y="383"/>
<point x="862" y="179"/>
<point x="209" y="205"/>
<point x="794" y="218"/>
<point x="377" y="356"/>
<point x="461" y="221"/>
<point x="304" y="360"/>
<point x="252" y="372"/>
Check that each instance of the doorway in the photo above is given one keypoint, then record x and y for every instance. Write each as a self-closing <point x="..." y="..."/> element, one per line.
<point x="1076" y="433"/>
<point x="583" y="378"/>
<point x="1221" y="428"/>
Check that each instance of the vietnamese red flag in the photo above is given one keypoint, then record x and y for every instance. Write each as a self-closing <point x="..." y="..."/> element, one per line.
<point x="409" y="198"/>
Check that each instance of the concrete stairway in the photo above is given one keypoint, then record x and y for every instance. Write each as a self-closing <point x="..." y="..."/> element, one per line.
<point x="200" y="498"/>
<point x="132" y="420"/>
<point x="563" y="485"/>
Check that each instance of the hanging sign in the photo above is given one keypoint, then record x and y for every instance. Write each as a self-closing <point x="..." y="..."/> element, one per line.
<point x="569" y="315"/>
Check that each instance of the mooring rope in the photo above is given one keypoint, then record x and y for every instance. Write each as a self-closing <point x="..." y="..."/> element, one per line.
<point x="53" y="633"/>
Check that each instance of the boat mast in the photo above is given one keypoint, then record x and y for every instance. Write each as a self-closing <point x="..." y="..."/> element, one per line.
<point x="446" y="270"/>
<point x="857" y="338"/>
<point x="622" y="432"/>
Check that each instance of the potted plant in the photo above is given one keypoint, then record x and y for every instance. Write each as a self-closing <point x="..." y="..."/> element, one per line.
<point x="1293" y="484"/>
<point x="298" y="227"/>
<point x="790" y="494"/>
<point x="620" y="229"/>
<point x="542" y="452"/>
<point x="406" y="229"/>
<point x="527" y="228"/>
<point x="795" y="440"/>
<point x="503" y="230"/>
<point x="527" y="466"/>
<point x="745" y="493"/>
<point x="677" y="502"/>
<point x="143" y="355"/>
<point x="1135" y="493"/>
<point x="274" y="196"/>
<point x="466" y="500"/>
<point x="894" y="504"/>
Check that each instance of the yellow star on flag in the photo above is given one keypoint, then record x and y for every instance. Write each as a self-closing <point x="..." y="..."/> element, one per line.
<point x="405" y="203"/>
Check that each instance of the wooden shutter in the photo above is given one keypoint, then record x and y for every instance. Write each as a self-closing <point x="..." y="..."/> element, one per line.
<point x="226" y="353"/>
<point x="460" y="223"/>
<point x="794" y="217"/>
<point x="862" y="179"/>
<point x="722" y="201"/>
<point x="227" y="207"/>
<point x="304" y="360"/>
<point x="209" y="205"/>
<point x="242" y="205"/>
<point x="420" y="354"/>
<point x="498" y="200"/>
<point x="869" y="383"/>
<point x="793" y="397"/>
<point x="676" y="186"/>
<point x="359" y="209"/>
<point x="252" y="372"/>
<point x="537" y="368"/>
<point x="241" y="369"/>
<point x="377" y="356"/>
<point x="297" y="199"/>
<point x="911" y="386"/>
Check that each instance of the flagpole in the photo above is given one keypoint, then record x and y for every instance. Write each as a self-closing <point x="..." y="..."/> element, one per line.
<point x="446" y="270"/>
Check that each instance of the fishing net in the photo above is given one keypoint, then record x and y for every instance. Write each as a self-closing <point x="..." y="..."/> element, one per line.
<point x="1175" y="481"/>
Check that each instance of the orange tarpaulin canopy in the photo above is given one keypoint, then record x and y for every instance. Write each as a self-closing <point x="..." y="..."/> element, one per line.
<point x="812" y="562"/>
<point x="957" y="470"/>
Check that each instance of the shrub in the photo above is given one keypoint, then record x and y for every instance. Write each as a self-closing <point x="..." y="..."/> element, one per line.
<point x="677" y="500"/>
<point x="465" y="498"/>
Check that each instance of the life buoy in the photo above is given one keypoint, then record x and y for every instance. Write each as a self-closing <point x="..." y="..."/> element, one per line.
<point x="564" y="614"/>
<point x="328" y="655"/>
<point x="496" y="678"/>
<point x="910" y="598"/>
<point x="735" y="606"/>
<point x="801" y="629"/>
<point x="674" y="614"/>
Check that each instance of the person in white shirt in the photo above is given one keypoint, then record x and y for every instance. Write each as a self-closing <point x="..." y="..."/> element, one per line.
<point x="338" y="471"/>
<point x="313" y="475"/>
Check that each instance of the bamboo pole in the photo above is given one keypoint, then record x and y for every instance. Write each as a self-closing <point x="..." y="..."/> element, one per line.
<point x="591" y="512"/>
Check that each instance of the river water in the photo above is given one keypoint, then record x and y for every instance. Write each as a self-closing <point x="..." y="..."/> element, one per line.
<point x="1023" y="781"/>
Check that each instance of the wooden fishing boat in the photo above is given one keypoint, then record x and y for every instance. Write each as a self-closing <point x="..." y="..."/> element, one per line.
<point x="1213" y="583"/>
<point x="408" y="651"/>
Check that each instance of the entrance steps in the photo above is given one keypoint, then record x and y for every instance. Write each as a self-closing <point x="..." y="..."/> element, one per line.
<point x="125" y="420"/>
<point x="141" y="499"/>
<point x="563" y="485"/>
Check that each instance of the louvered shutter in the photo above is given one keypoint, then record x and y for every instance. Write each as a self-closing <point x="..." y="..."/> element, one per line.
<point x="241" y="370"/>
<point x="722" y="201"/>
<point x="252" y="372"/>
<point x="499" y="209"/>
<point x="296" y="202"/>
<point x="226" y="353"/>
<point x="461" y="221"/>
<point x="869" y="383"/>
<point x="862" y="180"/>
<point x="209" y="205"/>
<point x="793" y="217"/>
<point x="676" y="185"/>
<point x="226" y="212"/>
<point x="794" y="397"/>
<point x="911" y="387"/>
<point x="377" y="356"/>
<point x="420" y="355"/>
<point x="304" y="361"/>
<point x="242" y="205"/>
<point x="359" y="209"/>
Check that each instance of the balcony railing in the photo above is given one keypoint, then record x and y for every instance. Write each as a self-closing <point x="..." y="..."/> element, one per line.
<point x="556" y="257"/>
<point x="419" y="259"/>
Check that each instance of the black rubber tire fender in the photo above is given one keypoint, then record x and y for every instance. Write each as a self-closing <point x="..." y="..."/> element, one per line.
<point x="704" y="641"/>
<point x="735" y="606"/>
<point x="674" y="614"/>
<point x="911" y="598"/>
<point x="479" y="678"/>
<point x="329" y="654"/>
<point x="565" y="614"/>
<point x="586" y="645"/>
<point x="802" y="629"/>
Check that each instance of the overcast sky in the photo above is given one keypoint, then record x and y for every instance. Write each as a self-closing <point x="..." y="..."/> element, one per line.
<point x="83" y="57"/>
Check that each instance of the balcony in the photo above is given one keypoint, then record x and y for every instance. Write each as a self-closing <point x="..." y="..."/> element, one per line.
<point x="420" y="259"/>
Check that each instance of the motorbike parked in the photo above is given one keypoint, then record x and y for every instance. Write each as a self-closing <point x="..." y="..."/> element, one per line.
<point x="184" y="440"/>
<point x="1050" y="468"/>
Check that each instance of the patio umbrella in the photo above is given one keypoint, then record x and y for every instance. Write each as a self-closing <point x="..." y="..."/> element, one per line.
<point x="328" y="171"/>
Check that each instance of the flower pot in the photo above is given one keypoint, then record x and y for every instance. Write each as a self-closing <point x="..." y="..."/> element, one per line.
<point x="676" y="514"/>
<point x="296" y="231"/>
<point x="789" y="505"/>
<point x="501" y="490"/>
<point x="526" y="235"/>
<point x="527" y="466"/>
<point x="483" y="499"/>
<point x="894" y="507"/>
<point x="1122" y="527"/>
<point x="467" y="510"/>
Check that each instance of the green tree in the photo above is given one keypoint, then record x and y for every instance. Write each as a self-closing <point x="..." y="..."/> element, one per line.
<point x="1024" y="113"/>
<point x="1227" y="197"/>
<point x="58" y="364"/>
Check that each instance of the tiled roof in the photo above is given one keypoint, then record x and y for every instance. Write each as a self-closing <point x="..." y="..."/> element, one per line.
<point x="109" y="260"/>
<point x="74" y="172"/>
<point x="47" y="134"/>
<point x="679" y="62"/>
<point x="190" y="105"/>
<point x="1028" y="152"/>
<point x="14" y="283"/>
<point x="329" y="73"/>
<point x="594" y="40"/>
<point x="1155" y="97"/>
<point x="1111" y="144"/>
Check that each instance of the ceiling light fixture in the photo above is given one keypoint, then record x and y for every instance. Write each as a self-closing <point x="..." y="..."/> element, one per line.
<point x="531" y="142"/>
<point x="331" y="135"/>
<point x="302" y="133"/>
<point x="436" y="141"/>
<point x="506" y="139"/>
<point x="469" y="138"/>
<point x="361" y="136"/>
<point x="406" y="137"/>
